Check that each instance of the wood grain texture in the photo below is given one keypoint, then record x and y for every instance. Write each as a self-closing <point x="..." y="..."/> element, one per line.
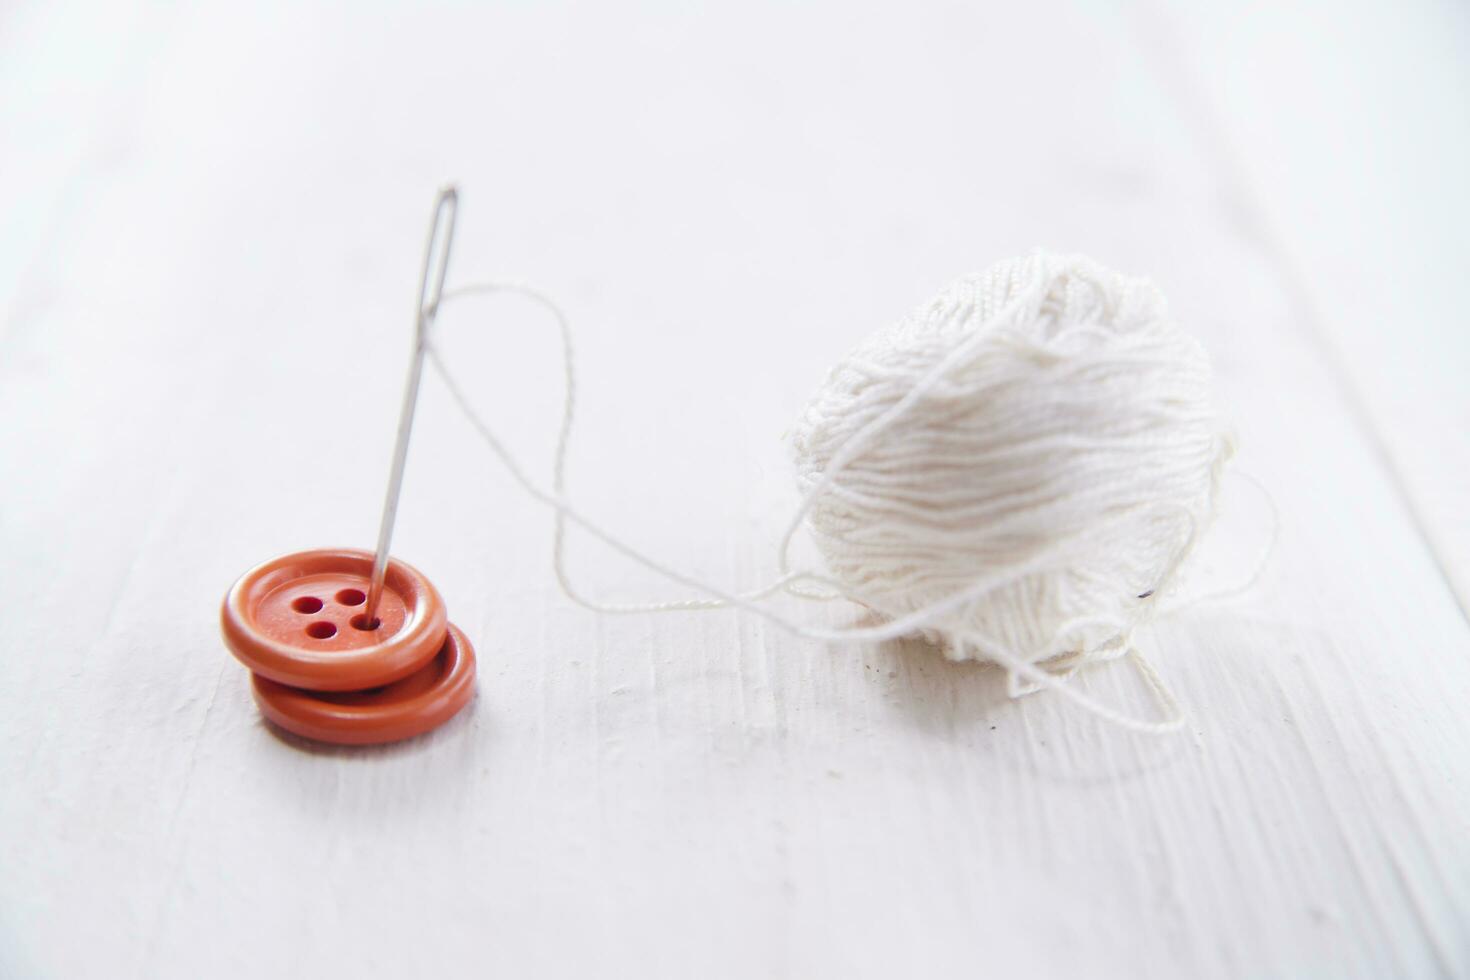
<point x="205" y="327"/>
<point x="1334" y="124"/>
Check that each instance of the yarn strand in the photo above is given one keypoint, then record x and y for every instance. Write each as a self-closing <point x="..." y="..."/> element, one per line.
<point x="1031" y="668"/>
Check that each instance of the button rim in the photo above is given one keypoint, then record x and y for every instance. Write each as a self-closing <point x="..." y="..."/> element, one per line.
<point x="303" y="714"/>
<point x="404" y="652"/>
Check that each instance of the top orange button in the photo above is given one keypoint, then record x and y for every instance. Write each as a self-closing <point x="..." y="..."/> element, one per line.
<point x="299" y="620"/>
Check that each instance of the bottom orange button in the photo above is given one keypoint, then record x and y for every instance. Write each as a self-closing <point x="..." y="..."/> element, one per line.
<point x="422" y="701"/>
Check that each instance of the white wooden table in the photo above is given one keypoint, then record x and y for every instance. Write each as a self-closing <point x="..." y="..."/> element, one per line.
<point x="209" y="227"/>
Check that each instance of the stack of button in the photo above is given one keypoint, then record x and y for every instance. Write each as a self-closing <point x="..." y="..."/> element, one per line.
<point x="322" y="670"/>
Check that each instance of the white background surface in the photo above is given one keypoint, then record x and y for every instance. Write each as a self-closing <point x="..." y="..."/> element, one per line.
<point x="211" y="224"/>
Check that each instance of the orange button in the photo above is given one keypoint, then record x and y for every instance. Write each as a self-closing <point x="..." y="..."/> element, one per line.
<point x="298" y="620"/>
<point x="419" y="702"/>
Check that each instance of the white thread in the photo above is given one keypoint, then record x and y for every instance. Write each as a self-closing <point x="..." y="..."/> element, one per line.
<point x="1018" y="470"/>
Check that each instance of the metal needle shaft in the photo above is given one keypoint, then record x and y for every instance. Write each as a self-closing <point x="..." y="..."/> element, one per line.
<point x="436" y="266"/>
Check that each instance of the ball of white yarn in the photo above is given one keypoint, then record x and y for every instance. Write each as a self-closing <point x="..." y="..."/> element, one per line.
<point x="1020" y="465"/>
